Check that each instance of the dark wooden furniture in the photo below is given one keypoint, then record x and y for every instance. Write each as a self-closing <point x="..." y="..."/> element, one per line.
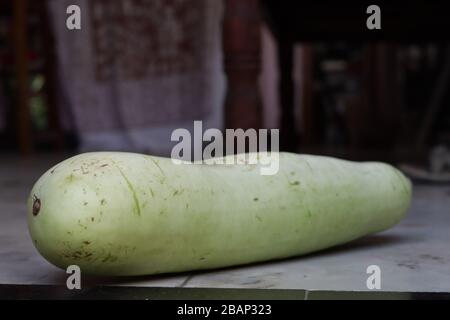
<point x="22" y="78"/>
<point x="241" y="45"/>
<point x="306" y="22"/>
<point x="27" y="16"/>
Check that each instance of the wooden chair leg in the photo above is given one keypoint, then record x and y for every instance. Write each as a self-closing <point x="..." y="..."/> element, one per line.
<point x="241" y="44"/>
<point x="21" y="70"/>
<point x="288" y="135"/>
<point x="308" y="119"/>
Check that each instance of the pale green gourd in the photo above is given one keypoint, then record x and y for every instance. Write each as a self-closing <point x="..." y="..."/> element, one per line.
<point x="130" y="214"/>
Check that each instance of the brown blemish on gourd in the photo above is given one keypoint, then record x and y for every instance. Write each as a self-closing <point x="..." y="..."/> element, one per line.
<point x="36" y="206"/>
<point x="110" y="258"/>
<point x="70" y="178"/>
<point x="178" y="192"/>
<point x="54" y="169"/>
<point x="81" y="225"/>
<point x="78" y="255"/>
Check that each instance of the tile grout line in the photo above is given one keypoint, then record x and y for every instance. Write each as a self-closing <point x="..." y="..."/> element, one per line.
<point x="189" y="277"/>
<point x="306" y="295"/>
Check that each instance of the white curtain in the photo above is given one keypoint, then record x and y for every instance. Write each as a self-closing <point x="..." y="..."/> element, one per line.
<point x="138" y="69"/>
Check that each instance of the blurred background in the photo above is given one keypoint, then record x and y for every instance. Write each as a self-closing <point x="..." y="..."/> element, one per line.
<point x="138" y="69"/>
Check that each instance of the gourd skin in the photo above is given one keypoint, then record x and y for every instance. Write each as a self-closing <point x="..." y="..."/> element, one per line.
<point x="130" y="214"/>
